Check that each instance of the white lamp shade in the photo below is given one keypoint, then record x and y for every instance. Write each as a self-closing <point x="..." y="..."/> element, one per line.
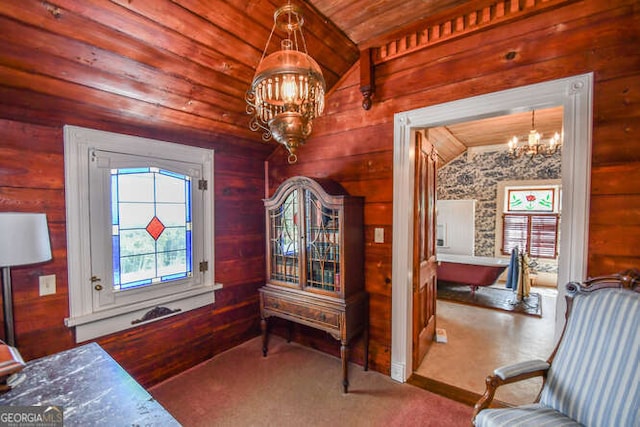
<point x="24" y="239"/>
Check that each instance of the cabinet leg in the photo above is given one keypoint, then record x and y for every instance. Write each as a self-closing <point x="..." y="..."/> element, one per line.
<point x="265" y="336"/>
<point x="290" y="332"/>
<point x="344" y="354"/>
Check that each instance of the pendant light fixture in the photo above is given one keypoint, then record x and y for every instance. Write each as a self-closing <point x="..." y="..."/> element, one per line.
<point x="534" y="146"/>
<point x="288" y="88"/>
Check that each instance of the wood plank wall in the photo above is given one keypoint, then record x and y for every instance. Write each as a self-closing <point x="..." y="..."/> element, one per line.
<point x="350" y="145"/>
<point x="32" y="180"/>
<point x="355" y="147"/>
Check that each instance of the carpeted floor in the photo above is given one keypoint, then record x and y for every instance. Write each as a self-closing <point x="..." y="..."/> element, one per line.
<point x="298" y="386"/>
<point x="491" y="297"/>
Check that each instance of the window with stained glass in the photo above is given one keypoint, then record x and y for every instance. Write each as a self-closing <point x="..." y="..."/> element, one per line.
<point x="531" y="200"/>
<point x="151" y="226"/>
<point x="141" y="231"/>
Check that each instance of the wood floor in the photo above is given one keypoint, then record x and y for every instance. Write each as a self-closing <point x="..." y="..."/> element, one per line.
<point x="480" y="340"/>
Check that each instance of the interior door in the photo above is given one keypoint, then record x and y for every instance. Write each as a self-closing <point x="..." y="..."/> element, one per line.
<point x="424" y="253"/>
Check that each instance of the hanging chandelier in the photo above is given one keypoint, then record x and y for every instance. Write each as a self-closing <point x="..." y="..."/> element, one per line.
<point x="287" y="91"/>
<point x="534" y="145"/>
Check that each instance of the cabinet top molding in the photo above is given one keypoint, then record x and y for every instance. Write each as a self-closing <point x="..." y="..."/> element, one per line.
<point x="318" y="185"/>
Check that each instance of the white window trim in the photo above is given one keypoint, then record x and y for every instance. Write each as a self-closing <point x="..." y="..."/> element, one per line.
<point x="78" y="142"/>
<point x="501" y="205"/>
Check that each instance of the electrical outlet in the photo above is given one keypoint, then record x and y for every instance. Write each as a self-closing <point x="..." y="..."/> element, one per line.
<point x="378" y="235"/>
<point x="397" y="372"/>
<point x="47" y="284"/>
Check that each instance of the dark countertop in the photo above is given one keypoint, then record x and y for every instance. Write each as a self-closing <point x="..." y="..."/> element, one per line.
<point x="91" y="387"/>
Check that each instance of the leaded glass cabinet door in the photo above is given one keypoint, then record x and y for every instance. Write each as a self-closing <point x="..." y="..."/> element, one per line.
<point x="284" y="240"/>
<point x="322" y="239"/>
<point x="315" y="238"/>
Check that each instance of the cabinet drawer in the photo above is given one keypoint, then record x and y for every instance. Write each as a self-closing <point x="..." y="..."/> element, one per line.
<point x="311" y="314"/>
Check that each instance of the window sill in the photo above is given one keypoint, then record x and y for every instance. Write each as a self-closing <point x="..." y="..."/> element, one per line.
<point x="106" y="322"/>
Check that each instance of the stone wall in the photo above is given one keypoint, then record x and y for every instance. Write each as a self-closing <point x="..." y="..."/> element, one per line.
<point x="476" y="176"/>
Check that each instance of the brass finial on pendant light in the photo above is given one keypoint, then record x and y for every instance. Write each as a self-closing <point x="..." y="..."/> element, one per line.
<point x="287" y="91"/>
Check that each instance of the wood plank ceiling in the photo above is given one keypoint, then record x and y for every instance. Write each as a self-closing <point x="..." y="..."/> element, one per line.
<point x="492" y="134"/>
<point x="171" y="64"/>
<point x="366" y="21"/>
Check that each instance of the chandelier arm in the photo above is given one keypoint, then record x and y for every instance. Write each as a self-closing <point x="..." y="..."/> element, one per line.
<point x="255" y="125"/>
<point x="533" y="119"/>
<point x="266" y="46"/>
<point x="304" y="41"/>
<point x="294" y="34"/>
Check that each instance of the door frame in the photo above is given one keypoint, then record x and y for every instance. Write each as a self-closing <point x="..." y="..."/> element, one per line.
<point x="575" y="94"/>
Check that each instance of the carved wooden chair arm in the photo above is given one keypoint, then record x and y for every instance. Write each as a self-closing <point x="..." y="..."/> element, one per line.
<point x="507" y="375"/>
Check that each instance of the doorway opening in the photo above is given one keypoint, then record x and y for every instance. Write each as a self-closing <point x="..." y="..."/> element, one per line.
<point x="575" y="95"/>
<point x="476" y="191"/>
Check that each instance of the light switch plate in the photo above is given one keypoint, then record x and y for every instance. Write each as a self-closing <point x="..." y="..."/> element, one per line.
<point x="47" y="284"/>
<point x="378" y="235"/>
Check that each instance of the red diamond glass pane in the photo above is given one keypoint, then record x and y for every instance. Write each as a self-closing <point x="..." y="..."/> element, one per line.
<point x="155" y="228"/>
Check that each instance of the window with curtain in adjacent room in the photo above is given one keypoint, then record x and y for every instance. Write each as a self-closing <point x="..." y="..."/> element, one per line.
<point x="535" y="234"/>
<point x="531" y="221"/>
<point x="140" y="230"/>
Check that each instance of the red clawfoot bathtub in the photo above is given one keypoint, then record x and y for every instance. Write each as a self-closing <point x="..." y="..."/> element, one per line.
<point x="470" y="270"/>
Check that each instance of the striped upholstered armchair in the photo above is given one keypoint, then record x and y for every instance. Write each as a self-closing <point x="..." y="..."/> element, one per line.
<point x="593" y="376"/>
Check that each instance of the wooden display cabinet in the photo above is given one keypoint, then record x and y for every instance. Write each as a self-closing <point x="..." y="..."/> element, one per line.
<point x="315" y="262"/>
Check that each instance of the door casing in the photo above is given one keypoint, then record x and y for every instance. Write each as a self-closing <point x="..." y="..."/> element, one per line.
<point x="575" y="94"/>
